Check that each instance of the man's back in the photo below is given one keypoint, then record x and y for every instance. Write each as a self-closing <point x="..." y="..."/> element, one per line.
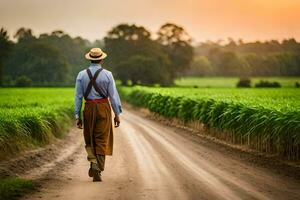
<point x="104" y="81"/>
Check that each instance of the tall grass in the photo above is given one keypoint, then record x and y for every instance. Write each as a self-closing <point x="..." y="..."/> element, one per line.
<point x="32" y="117"/>
<point x="266" y="120"/>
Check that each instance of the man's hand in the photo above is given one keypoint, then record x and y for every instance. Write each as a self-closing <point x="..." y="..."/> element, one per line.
<point x="117" y="121"/>
<point x="79" y="123"/>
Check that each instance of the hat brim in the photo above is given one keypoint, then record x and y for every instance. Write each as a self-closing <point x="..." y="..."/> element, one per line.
<point x="88" y="57"/>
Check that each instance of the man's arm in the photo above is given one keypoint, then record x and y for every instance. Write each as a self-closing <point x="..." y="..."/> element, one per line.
<point x="78" y="100"/>
<point x="114" y="99"/>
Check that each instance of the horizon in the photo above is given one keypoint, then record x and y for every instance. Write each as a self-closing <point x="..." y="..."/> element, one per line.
<point x="250" y="21"/>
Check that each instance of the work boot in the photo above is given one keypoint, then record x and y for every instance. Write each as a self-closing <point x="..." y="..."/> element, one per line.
<point x="96" y="173"/>
<point x="90" y="171"/>
<point x="97" y="177"/>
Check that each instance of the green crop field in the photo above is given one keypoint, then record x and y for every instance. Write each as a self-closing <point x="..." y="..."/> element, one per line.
<point x="232" y="81"/>
<point x="31" y="117"/>
<point x="264" y="119"/>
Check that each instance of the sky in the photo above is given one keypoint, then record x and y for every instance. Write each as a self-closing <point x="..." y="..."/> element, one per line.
<point x="249" y="20"/>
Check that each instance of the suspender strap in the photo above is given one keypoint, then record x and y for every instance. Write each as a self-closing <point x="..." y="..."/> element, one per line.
<point x="92" y="83"/>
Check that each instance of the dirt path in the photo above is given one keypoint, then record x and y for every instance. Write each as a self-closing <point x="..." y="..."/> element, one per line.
<point x="153" y="161"/>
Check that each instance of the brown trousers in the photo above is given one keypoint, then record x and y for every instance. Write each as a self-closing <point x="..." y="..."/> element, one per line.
<point x="98" y="132"/>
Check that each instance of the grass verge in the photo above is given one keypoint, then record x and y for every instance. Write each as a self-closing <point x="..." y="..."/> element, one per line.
<point x="33" y="117"/>
<point x="12" y="188"/>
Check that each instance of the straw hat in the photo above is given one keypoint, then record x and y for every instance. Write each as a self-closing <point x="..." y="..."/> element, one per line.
<point x="95" y="54"/>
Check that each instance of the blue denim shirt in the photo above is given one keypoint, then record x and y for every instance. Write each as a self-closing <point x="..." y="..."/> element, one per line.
<point x="104" y="80"/>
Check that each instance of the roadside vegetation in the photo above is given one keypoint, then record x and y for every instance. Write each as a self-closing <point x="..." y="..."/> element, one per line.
<point x="32" y="117"/>
<point x="12" y="188"/>
<point x="267" y="120"/>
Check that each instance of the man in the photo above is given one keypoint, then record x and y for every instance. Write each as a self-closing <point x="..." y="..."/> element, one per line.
<point x="97" y="86"/>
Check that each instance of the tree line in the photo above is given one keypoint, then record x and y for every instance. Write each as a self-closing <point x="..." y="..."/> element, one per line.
<point x="45" y="60"/>
<point x="137" y="56"/>
<point x="237" y="58"/>
<point x="134" y="57"/>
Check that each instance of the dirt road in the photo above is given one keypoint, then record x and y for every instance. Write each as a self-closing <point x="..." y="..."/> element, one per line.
<point x="154" y="161"/>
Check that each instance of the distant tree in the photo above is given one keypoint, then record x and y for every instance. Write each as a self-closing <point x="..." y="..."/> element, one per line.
<point x="68" y="60"/>
<point x="73" y="49"/>
<point x="98" y="43"/>
<point x="124" y="41"/>
<point x="267" y="84"/>
<point x="287" y="63"/>
<point x="228" y="63"/>
<point x="139" y="69"/>
<point x="5" y="47"/>
<point x="256" y="64"/>
<point x="24" y="35"/>
<point x="244" y="83"/>
<point x="37" y="61"/>
<point x="269" y="58"/>
<point x="23" y="81"/>
<point x="129" y="46"/>
<point x="201" y="66"/>
<point x="58" y="33"/>
<point x="177" y="44"/>
<point x="291" y="45"/>
<point x="232" y="45"/>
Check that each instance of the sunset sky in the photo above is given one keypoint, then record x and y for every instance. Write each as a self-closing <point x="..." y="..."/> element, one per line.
<point x="203" y="19"/>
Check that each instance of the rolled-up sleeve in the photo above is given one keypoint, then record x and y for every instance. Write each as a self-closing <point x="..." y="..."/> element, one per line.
<point x="78" y="96"/>
<point x="113" y="95"/>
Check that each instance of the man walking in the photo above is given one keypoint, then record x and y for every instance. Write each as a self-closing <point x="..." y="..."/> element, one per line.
<point x="97" y="86"/>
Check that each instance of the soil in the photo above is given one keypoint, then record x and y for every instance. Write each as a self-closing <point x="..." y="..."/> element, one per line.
<point x="33" y="164"/>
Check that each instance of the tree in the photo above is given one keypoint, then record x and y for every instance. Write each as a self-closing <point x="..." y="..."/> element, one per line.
<point x="69" y="54"/>
<point x="58" y="33"/>
<point x="256" y="64"/>
<point x="126" y="40"/>
<point x="24" y="35"/>
<point x="201" y="66"/>
<point x="41" y="63"/>
<point x="5" y="47"/>
<point x="23" y="81"/>
<point x="130" y="46"/>
<point x="228" y="63"/>
<point x="244" y="83"/>
<point x="177" y="44"/>
<point x="73" y="49"/>
<point x="269" y="58"/>
<point x="143" y="70"/>
<point x="98" y="43"/>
